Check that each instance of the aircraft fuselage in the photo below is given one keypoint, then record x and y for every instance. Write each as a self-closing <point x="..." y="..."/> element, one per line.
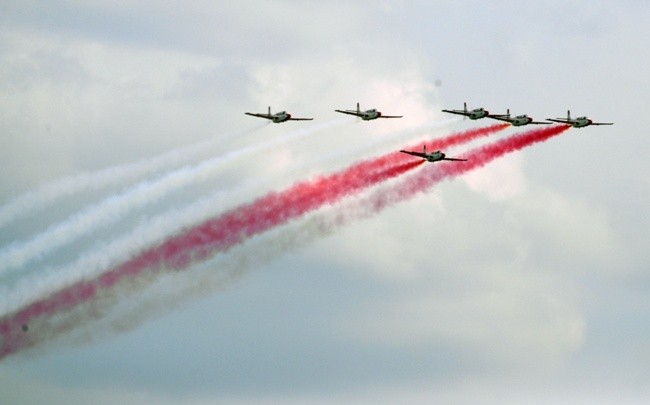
<point x="370" y="115"/>
<point x="281" y="117"/>
<point x="477" y="114"/>
<point x="435" y="156"/>
<point x="580" y="122"/>
<point x="520" y="120"/>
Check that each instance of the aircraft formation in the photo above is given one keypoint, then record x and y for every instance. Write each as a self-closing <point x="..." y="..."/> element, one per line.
<point x="524" y="119"/>
<point x="475" y="114"/>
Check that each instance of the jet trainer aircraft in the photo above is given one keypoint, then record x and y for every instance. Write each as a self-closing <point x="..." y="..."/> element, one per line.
<point x="579" y="122"/>
<point x="432" y="157"/>
<point x="278" y="117"/>
<point x="474" y="114"/>
<point x="367" y="115"/>
<point x="517" y="121"/>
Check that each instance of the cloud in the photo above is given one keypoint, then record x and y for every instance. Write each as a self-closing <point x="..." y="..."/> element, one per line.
<point x="451" y="277"/>
<point x="501" y="180"/>
<point x="525" y="265"/>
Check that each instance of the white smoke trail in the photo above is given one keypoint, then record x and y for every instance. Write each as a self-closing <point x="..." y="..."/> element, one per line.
<point x="107" y="255"/>
<point x="115" y="207"/>
<point x="160" y="227"/>
<point x="39" y="199"/>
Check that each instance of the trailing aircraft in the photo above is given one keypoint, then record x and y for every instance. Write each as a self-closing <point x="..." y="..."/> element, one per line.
<point x="432" y="157"/>
<point x="278" y="117"/>
<point x="579" y="122"/>
<point x="367" y="115"/>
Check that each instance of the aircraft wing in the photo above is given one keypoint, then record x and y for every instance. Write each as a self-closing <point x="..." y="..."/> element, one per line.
<point x="459" y="112"/>
<point x="540" y="123"/>
<point x="418" y="154"/>
<point x="560" y="120"/>
<point x="356" y="114"/>
<point x="500" y="117"/>
<point x="455" y="160"/>
<point x="602" y="123"/>
<point x="390" y="116"/>
<point x="300" y="119"/>
<point x="268" y="117"/>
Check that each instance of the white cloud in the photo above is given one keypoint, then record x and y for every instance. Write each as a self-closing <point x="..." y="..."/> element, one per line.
<point x="500" y="180"/>
<point x="68" y="99"/>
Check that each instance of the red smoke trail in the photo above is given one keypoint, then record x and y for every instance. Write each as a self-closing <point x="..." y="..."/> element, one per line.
<point x="441" y="143"/>
<point x="459" y="139"/>
<point x="425" y="179"/>
<point x="218" y="234"/>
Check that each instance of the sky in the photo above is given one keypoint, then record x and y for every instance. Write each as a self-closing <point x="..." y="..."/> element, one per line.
<point x="525" y="280"/>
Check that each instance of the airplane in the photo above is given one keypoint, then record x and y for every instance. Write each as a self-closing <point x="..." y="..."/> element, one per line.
<point x="278" y="117"/>
<point x="432" y="157"/>
<point x="579" y="122"/>
<point x="517" y="121"/>
<point x="367" y="115"/>
<point x="474" y="114"/>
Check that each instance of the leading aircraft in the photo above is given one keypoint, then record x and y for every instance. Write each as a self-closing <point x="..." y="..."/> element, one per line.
<point x="517" y="121"/>
<point x="432" y="157"/>
<point x="579" y="122"/>
<point x="278" y="117"/>
<point x="474" y="114"/>
<point x="367" y="115"/>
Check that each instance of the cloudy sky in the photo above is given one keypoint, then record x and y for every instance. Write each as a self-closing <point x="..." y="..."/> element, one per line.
<point x="526" y="280"/>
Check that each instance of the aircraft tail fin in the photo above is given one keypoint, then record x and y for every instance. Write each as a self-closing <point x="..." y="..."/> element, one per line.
<point x="358" y="108"/>
<point x="465" y="107"/>
<point x="424" y="149"/>
<point x="568" y="115"/>
<point x="269" y="110"/>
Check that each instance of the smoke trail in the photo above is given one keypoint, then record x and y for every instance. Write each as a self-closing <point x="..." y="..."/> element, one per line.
<point x="327" y="222"/>
<point x="114" y="208"/>
<point x="40" y="198"/>
<point x="477" y="158"/>
<point x="441" y="143"/>
<point x="208" y="238"/>
<point x="148" y="233"/>
<point x="49" y="280"/>
<point x="409" y="187"/>
<point x="314" y="227"/>
<point x="197" y="243"/>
